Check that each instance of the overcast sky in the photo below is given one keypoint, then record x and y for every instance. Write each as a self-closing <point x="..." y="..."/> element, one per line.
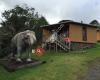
<point x="56" y="10"/>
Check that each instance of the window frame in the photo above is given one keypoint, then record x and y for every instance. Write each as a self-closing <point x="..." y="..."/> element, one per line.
<point x="84" y="33"/>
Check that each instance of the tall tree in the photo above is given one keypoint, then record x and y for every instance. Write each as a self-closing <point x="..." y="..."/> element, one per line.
<point x="16" y="20"/>
<point x="19" y="18"/>
<point x="38" y="30"/>
<point x="94" y="22"/>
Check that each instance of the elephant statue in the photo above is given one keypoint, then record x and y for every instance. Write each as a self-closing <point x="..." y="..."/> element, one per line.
<point x="23" y="41"/>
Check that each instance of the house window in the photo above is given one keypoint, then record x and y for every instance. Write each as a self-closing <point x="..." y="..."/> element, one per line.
<point x="84" y="33"/>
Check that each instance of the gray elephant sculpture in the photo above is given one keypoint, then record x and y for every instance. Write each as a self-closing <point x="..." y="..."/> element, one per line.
<point x="23" y="41"/>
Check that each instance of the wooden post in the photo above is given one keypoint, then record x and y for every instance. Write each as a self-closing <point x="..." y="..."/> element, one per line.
<point x="69" y="45"/>
<point x="49" y="46"/>
<point x="56" y="48"/>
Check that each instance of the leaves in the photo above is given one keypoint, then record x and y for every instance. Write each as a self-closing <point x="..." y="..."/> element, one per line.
<point x="16" y="20"/>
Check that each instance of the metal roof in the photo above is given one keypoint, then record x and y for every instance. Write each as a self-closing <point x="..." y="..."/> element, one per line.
<point x="71" y="22"/>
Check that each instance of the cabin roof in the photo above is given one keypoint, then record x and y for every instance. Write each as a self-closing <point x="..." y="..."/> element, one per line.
<point x="70" y="22"/>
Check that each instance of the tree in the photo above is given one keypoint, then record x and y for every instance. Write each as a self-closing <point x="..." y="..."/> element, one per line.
<point x="43" y="21"/>
<point x="94" y="22"/>
<point x="38" y="30"/>
<point x="17" y="17"/>
<point x="17" y="20"/>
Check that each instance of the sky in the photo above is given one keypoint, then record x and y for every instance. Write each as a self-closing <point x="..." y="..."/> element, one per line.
<point x="56" y="10"/>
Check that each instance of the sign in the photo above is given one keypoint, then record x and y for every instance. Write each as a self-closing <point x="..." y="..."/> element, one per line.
<point x="39" y="51"/>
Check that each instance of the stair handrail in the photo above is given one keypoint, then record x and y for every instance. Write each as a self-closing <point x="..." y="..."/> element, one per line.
<point x="62" y="44"/>
<point x="61" y="39"/>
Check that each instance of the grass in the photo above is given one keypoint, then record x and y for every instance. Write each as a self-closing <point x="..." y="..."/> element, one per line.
<point x="59" y="66"/>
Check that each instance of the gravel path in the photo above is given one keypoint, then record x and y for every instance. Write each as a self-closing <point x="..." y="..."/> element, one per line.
<point x="93" y="70"/>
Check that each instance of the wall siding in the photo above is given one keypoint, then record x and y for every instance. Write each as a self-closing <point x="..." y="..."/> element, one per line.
<point x="75" y="34"/>
<point x="91" y="35"/>
<point x="98" y="35"/>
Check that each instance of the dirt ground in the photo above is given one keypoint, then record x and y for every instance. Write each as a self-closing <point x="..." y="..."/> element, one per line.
<point x="93" y="72"/>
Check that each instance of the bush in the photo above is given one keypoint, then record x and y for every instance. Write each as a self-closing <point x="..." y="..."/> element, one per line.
<point x="5" y="40"/>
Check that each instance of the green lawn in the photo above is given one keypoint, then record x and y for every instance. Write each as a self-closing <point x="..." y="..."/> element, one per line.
<point x="59" y="66"/>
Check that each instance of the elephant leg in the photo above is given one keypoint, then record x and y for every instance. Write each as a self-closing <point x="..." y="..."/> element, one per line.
<point x="29" y="55"/>
<point x="19" y="54"/>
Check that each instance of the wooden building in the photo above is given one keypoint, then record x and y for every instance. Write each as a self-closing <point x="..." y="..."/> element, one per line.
<point x="81" y="35"/>
<point x="98" y="35"/>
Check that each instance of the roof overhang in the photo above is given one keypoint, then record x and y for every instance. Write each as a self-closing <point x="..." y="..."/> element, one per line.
<point x="70" y="22"/>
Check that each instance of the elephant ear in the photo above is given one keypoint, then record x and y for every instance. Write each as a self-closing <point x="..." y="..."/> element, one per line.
<point x="34" y="35"/>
